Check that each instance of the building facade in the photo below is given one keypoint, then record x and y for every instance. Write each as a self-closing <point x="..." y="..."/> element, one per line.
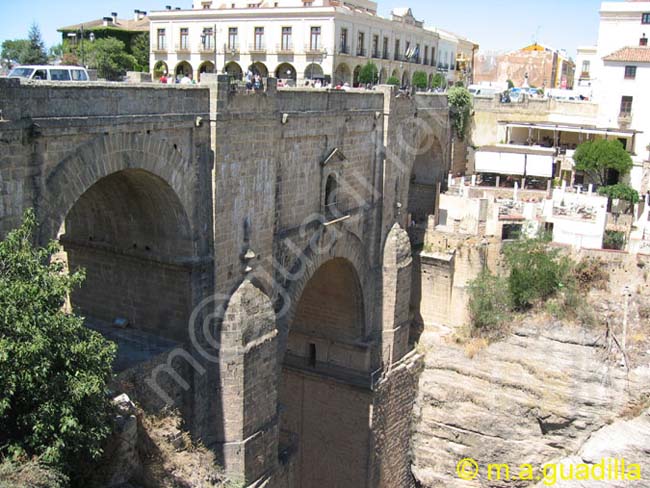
<point x="538" y="65"/>
<point x="622" y="73"/>
<point x="297" y="40"/>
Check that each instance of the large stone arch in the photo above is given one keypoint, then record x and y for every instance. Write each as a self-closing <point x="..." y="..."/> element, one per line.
<point x="103" y="156"/>
<point x="325" y="381"/>
<point x="347" y="246"/>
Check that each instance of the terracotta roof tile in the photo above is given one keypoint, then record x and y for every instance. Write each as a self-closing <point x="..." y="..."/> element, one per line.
<point x="141" y="25"/>
<point x="630" y="55"/>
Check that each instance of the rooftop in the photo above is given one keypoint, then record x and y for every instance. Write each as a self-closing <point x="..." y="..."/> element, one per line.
<point x="630" y="54"/>
<point x="141" y="24"/>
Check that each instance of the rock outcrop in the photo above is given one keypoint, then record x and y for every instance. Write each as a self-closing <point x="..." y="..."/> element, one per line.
<point x="536" y="397"/>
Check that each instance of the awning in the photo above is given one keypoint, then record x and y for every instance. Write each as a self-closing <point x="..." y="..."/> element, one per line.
<point x="514" y="164"/>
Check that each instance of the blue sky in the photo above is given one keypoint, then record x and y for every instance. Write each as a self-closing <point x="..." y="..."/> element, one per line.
<point x="495" y="25"/>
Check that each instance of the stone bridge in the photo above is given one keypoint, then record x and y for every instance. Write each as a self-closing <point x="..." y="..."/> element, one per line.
<point x="256" y="245"/>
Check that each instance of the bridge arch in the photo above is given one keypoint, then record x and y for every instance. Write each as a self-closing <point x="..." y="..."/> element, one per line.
<point x="122" y="206"/>
<point x="325" y="393"/>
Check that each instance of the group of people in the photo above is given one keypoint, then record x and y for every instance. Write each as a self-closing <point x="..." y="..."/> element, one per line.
<point x="253" y="81"/>
<point x="184" y="79"/>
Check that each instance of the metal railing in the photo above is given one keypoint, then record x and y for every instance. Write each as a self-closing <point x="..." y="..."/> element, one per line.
<point x="257" y="47"/>
<point x="285" y="48"/>
<point x="344" y="50"/>
<point x="361" y="51"/>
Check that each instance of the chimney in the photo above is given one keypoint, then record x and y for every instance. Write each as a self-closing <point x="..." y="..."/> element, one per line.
<point x="178" y="8"/>
<point x="168" y="7"/>
<point x="114" y="15"/>
<point x="107" y="21"/>
<point x="136" y="15"/>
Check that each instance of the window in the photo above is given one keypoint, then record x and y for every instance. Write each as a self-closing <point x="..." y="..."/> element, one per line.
<point x="286" y="39"/>
<point x="184" y="36"/>
<point x="361" y="44"/>
<point x="375" y="46"/>
<point x="397" y="53"/>
<point x="60" y="75"/>
<point x="259" y="38"/>
<point x="433" y="56"/>
<point x="645" y="18"/>
<point x="426" y="55"/>
<point x="79" y="75"/>
<point x="344" y="42"/>
<point x="626" y="106"/>
<point x="417" y="53"/>
<point x="41" y="74"/>
<point x="630" y="72"/>
<point x="643" y="41"/>
<point x="315" y="39"/>
<point x="233" y="42"/>
<point x="162" y="41"/>
<point x="385" y="52"/>
<point x="586" y="66"/>
<point x="207" y="39"/>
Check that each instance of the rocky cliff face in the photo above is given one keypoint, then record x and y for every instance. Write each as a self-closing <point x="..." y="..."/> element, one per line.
<point x="547" y="392"/>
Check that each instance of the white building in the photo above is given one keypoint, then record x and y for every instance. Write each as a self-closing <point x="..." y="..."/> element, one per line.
<point x="586" y="62"/>
<point x="620" y="73"/>
<point x="297" y="40"/>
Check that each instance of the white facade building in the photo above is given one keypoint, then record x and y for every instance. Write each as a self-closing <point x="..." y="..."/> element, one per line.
<point x="296" y="40"/>
<point x="621" y="76"/>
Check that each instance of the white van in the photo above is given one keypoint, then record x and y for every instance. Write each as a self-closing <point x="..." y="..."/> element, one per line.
<point x="50" y="73"/>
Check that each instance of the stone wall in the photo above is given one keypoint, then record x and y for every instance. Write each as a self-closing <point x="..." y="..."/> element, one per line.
<point x="233" y="186"/>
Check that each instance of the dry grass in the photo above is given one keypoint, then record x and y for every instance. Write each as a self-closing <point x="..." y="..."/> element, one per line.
<point x="475" y="345"/>
<point x="171" y="459"/>
<point x="29" y="474"/>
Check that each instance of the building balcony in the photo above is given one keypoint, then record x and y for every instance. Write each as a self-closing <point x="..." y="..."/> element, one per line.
<point x="399" y="57"/>
<point x="285" y="48"/>
<point x="206" y="48"/>
<point x="160" y="50"/>
<point x="385" y="55"/>
<point x="376" y="55"/>
<point x="625" y="119"/>
<point x="232" y="50"/>
<point x="344" y="50"/>
<point x="257" y="48"/>
<point x="362" y="52"/>
<point x="182" y="48"/>
<point x="309" y="49"/>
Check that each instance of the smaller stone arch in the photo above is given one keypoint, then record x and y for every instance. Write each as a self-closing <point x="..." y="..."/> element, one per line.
<point x="159" y="69"/>
<point x="383" y="76"/>
<point x="183" y="69"/>
<point x="286" y="71"/>
<point x="234" y="70"/>
<point x="206" y="67"/>
<point x="395" y="74"/>
<point x="314" y="72"/>
<point x="355" y="76"/>
<point x="259" y="68"/>
<point x="406" y="78"/>
<point x="342" y="74"/>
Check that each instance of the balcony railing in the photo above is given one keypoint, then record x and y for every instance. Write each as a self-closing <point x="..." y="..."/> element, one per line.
<point x="625" y="119"/>
<point x="399" y="57"/>
<point x="182" y="48"/>
<point x="232" y="49"/>
<point x="257" y="47"/>
<point x="343" y="49"/>
<point x="376" y="55"/>
<point x="385" y="55"/>
<point x="160" y="50"/>
<point x="361" y="51"/>
<point x="309" y="49"/>
<point x="285" y="48"/>
<point x="206" y="48"/>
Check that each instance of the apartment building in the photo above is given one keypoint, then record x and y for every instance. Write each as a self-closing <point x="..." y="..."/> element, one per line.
<point x="297" y="40"/>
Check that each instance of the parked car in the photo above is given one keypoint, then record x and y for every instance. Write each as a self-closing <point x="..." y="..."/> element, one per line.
<point x="50" y="73"/>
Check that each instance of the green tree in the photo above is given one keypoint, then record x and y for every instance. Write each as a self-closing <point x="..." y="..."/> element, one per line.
<point x="420" y="80"/>
<point x="536" y="272"/>
<point x="460" y="105"/>
<point x="140" y="50"/>
<point x="109" y="57"/>
<point x="35" y="53"/>
<point x="489" y="302"/>
<point x="438" y="81"/>
<point x="511" y="84"/>
<point x="15" y="50"/>
<point x="369" y="74"/>
<point x="53" y="369"/>
<point x="393" y="80"/>
<point x="598" y="158"/>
